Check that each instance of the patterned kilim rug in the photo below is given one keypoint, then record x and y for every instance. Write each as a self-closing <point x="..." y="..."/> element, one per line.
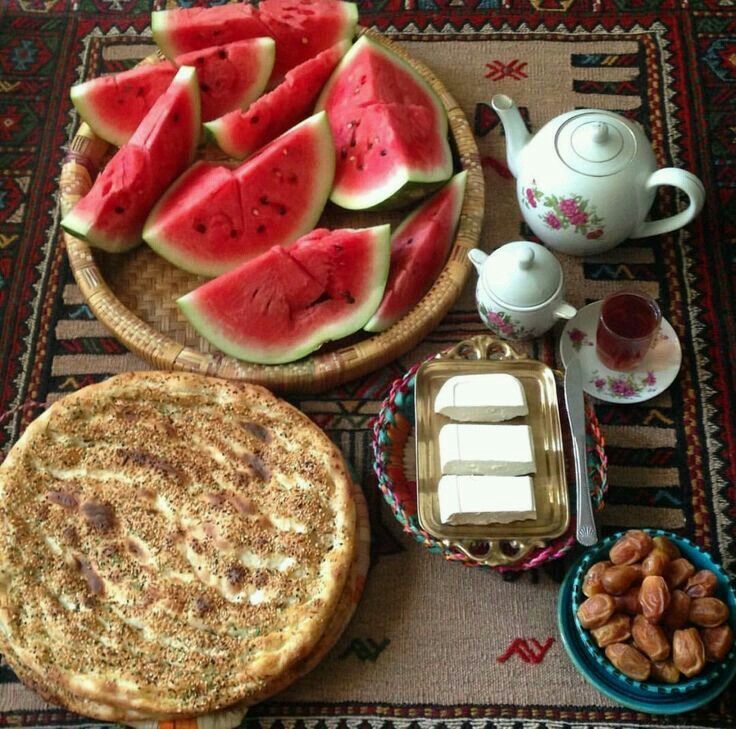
<point x="434" y="643"/>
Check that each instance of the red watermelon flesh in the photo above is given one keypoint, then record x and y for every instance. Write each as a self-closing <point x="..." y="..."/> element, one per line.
<point x="301" y="28"/>
<point x="192" y="29"/>
<point x="389" y="128"/>
<point x="214" y="218"/>
<point x="304" y="28"/>
<point x="419" y="248"/>
<point x="240" y="133"/>
<point x="286" y="303"/>
<point x="230" y="77"/>
<point x="115" y="105"/>
<point x="112" y="213"/>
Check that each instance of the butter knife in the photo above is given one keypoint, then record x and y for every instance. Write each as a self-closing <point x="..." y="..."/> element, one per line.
<point x="586" y="530"/>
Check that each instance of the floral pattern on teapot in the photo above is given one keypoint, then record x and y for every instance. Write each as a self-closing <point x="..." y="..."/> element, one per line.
<point x="563" y="213"/>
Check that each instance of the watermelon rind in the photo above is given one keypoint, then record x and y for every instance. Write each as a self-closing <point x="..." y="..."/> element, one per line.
<point x="91" y="227"/>
<point x="392" y="307"/>
<point x="211" y="265"/>
<point x="377" y="276"/>
<point x="407" y="184"/>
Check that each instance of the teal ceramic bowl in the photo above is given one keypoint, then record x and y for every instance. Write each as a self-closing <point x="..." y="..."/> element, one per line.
<point x="640" y="695"/>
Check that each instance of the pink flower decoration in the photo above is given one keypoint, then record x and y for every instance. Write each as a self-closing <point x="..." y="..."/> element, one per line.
<point x="552" y="220"/>
<point x="569" y="207"/>
<point x="594" y="234"/>
<point x="530" y="197"/>
<point x="650" y="379"/>
<point x="622" y="388"/>
<point x="599" y="382"/>
<point x="579" y="218"/>
<point x="576" y="335"/>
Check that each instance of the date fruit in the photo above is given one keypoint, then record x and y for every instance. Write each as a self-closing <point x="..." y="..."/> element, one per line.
<point x="596" y="611"/>
<point x="631" y="547"/>
<point x="654" y="598"/>
<point x="708" y="612"/>
<point x="592" y="582"/>
<point x="619" y="578"/>
<point x="688" y="652"/>
<point x="717" y="642"/>
<point x="668" y="547"/>
<point x="677" y="572"/>
<point x="654" y="563"/>
<point x="650" y="639"/>
<point x="616" y="630"/>
<point x="629" y="661"/>
<point x="665" y="672"/>
<point x="629" y="602"/>
<point x="678" y="613"/>
<point x="702" y="584"/>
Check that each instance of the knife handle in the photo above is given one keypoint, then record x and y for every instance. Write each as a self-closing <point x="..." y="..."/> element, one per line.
<point x="586" y="532"/>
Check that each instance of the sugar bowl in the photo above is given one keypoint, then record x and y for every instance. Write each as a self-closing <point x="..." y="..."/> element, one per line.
<point x="520" y="290"/>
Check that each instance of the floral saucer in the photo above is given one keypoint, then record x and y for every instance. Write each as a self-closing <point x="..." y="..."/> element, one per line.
<point x="652" y="377"/>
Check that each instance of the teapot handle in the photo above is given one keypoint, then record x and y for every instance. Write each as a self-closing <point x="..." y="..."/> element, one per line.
<point x="690" y="185"/>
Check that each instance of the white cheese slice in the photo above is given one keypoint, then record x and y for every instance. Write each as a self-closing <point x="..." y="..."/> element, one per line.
<point x="484" y="398"/>
<point x="486" y="499"/>
<point x="497" y="450"/>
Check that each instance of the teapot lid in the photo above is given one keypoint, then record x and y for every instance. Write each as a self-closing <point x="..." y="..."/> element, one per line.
<point x="522" y="274"/>
<point x="596" y="143"/>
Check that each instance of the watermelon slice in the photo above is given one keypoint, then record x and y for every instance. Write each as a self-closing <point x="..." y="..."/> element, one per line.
<point x="214" y="218"/>
<point x="111" y="215"/>
<point x="241" y="133"/>
<point x="182" y="30"/>
<point x="304" y="28"/>
<point x="230" y="77"/>
<point x="389" y="128"/>
<point x="286" y="303"/>
<point x="419" y="248"/>
<point x="301" y="28"/>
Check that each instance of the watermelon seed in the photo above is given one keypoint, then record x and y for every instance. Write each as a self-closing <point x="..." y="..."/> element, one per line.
<point x="261" y="228"/>
<point x="200" y="228"/>
<point x="175" y="117"/>
<point x="222" y="53"/>
<point x="352" y="142"/>
<point x="348" y="297"/>
<point x="370" y="145"/>
<point x="119" y="209"/>
<point x="344" y="152"/>
<point x="360" y="166"/>
<point x="255" y="211"/>
<point x="204" y="88"/>
<point x="383" y="153"/>
<point x="362" y="79"/>
<point x="321" y="299"/>
<point x="281" y="210"/>
<point x="255" y="119"/>
<point x="264" y="200"/>
<point x="292" y="179"/>
<point x="141" y="91"/>
<point x="410" y="241"/>
<point x="233" y="233"/>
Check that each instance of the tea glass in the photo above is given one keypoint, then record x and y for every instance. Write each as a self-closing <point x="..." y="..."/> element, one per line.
<point x="627" y="327"/>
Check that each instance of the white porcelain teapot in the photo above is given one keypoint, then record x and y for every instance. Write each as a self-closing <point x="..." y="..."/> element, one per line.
<point x="588" y="178"/>
<point x="520" y="290"/>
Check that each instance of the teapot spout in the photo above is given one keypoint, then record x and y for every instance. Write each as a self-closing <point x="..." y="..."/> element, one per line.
<point x="513" y="125"/>
<point x="477" y="258"/>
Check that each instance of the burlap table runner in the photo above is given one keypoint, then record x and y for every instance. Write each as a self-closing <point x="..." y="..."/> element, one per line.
<point x="433" y="642"/>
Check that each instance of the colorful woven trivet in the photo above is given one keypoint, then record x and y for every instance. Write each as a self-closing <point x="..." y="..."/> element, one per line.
<point x="392" y="429"/>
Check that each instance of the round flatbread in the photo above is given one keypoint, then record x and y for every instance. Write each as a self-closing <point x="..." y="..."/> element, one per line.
<point x="170" y="544"/>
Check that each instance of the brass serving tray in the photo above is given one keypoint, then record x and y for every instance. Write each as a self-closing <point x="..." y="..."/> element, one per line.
<point x="505" y="543"/>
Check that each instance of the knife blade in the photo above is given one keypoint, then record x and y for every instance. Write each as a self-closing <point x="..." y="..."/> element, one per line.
<point x="586" y="532"/>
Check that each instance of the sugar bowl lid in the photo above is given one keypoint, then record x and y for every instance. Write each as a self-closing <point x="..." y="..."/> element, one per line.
<point x="522" y="274"/>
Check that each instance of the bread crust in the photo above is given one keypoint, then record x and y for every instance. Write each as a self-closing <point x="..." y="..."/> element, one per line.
<point x="171" y="544"/>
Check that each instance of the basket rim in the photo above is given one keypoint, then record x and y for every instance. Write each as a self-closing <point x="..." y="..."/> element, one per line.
<point x="321" y="370"/>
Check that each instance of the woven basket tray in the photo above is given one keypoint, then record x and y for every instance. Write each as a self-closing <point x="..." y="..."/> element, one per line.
<point x="134" y="294"/>
<point x="393" y="436"/>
